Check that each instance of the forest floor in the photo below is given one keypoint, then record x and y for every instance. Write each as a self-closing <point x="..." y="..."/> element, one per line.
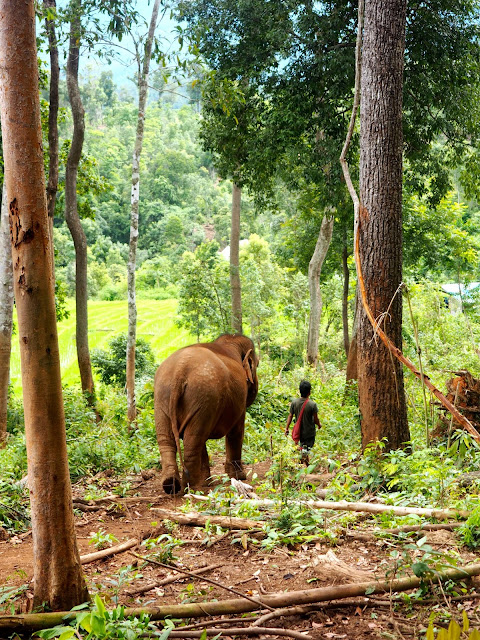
<point x="252" y="571"/>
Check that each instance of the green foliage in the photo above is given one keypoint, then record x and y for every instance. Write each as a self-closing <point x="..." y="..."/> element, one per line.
<point x="204" y="292"/>
<point x="110" y="364"/>
<point x="100" y="624"/>
<point x="454" y="631"/>
<point x="14" y="512"/>
<point x="101" y="539"/>
<point x="470" y="531"/>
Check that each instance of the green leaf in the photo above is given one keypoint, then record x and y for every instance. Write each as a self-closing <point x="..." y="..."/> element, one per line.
<point x="454" y="630"/>
<point x="466" y="622"/>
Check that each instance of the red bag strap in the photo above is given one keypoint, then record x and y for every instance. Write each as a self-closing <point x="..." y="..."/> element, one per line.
<point x="301" y="411"/>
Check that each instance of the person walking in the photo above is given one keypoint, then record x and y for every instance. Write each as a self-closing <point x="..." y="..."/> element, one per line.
<point x="306" y="417"/>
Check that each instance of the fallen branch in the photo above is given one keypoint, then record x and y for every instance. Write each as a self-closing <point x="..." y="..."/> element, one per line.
<point x="195" y="519"/>
<point x="111" y="551"/>
<point x="343" y="505"/>
<point x="214" y="582"/>
<point x="161" y="583"/>
<point x="35" y="621"/>
<point x="218" y="621"/>
<point x="241" y="631"/>
<point x="426" y="526"/>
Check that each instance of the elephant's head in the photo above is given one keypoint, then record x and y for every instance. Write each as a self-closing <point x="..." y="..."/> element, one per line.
<point x="245" y="350"/>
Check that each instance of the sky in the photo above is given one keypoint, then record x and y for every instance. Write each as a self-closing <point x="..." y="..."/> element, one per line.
<point x="121" y="66"/>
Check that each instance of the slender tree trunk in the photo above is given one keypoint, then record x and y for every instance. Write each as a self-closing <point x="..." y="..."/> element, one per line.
<point x="314" y="272"/>
<point x="352" y="364"/>
<point x="346" y="284"/>
<point x="380" y="376"/>
<point x="58" y="579"/>
<point x="71" y="211"/>
<point x="143" y="71"/>
<point x="52" y="186"/>
<point x="235" y="285"/>
<point x="6" y="313"/>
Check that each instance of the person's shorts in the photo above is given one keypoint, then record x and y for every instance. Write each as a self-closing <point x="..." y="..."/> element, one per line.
<point x="307" y="444"/>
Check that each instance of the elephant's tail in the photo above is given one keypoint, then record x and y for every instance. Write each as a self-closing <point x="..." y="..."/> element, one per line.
<point x="175" y="395"/>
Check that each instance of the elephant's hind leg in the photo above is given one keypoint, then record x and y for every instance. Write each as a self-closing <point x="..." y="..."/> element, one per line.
<point x="233" y="446"/>
<point x="168" y="452"/>
<point x="197" y="467"/>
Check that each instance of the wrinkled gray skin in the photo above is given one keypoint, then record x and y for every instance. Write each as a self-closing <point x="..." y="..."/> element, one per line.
<point x="201" y="393"/>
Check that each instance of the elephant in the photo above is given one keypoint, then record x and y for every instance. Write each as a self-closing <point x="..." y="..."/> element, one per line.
<point x="201" y="392"/>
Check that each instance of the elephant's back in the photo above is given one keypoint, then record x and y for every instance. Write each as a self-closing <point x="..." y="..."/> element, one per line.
<point x="200" y="380"/>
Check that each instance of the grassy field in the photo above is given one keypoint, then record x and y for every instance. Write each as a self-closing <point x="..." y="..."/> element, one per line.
<point x="155" y="323"/>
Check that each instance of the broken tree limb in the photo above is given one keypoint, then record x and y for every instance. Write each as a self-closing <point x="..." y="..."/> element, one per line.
<point x="161" y="583"/>
<point x="368" y="507"/>
<point x="426" y="526"/>
<point x="35" y="621"/>
<point x="241" y="631"/>
<point x="198" y="520"/>
<point x="111" y="551"/>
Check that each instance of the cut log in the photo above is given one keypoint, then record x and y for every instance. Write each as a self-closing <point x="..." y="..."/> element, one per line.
<point x="195" y="519"/>
<point x="34" y="621"/>
<point x="111" y="551"/>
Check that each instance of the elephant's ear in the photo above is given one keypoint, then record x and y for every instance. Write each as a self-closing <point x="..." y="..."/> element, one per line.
<point x="247" y="365"/>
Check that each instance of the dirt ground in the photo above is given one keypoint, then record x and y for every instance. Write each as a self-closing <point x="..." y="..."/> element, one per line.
<point x="250" y="571"/>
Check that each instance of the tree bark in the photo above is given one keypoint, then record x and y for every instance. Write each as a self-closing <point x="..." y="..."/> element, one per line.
<point x="380" y="376"/>
<point x="143" y="71"/>
<point x="71" y="211"/>
<point x="346" y="285"/>
<point x="235" y="260"/>
<point x="58" y="580"/>
<point x="52" y="186"/>
<point x="314" y="272"/>
<point x="6" y="313"/>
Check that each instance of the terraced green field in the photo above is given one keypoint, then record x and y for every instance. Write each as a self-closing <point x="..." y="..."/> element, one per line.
<point x="155" y="323"/>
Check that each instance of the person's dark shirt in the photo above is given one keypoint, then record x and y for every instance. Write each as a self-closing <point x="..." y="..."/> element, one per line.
<point x="307" y="429"/>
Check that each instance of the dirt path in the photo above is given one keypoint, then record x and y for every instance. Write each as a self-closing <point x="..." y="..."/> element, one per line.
<point x="248" y="570"/>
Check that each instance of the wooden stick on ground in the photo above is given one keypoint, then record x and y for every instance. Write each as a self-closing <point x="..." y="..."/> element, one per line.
<point x="426" y="526"/>
<point x="195" y="519"/>
<point x="105" y="553"/>
<point x="161" y="583"/>
<point x="214" y="582"/>
<point x="35" y="621"/>
<point x="241" y="631"/>
<point x="343" y="505"/>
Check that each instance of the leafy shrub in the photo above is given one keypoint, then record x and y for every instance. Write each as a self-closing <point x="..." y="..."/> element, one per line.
<point x="111" y="365"/>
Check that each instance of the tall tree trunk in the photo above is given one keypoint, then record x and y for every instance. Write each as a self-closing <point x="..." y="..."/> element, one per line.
<point x="52" y="186"/>
<point x="380" y="376"/>
<point x="346" y="284"/>
<point x="6" y="313"/>
<point x="314" y="272"/>
<point x="235" y="285"/>
<point x="143" y="71"/>
<point x="58" y="579"/>
<point x="71" y="211"/>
